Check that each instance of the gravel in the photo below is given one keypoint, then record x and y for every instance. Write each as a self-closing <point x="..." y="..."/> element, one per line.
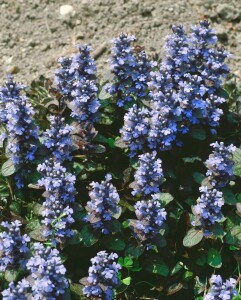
<point x="34" y="33"/>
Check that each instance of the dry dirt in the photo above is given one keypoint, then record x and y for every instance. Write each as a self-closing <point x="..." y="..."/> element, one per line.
<point x="34" y="33"/>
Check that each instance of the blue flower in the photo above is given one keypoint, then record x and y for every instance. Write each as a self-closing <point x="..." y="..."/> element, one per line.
<point x="150" y="217"/>
<point x="136" y="129"/>
<point x="221" y="290"/>
<point x="21" y="131"/>
<point x="208" y="208"/>
<point x="131" y="70"/>
<point x="188" y="82"/>
<point x="58" y="139"/>
<point x="103" y="276"/>
<point x="60" y="195"/>
<point x="18" y="292"/>
<point x="220" y="164"/>
<point x="48" y="273"/>
<point x="13" y="246"/>
<point x="149" y="175"/>
<point x="76" y="81"/>
<point x="103" y="206"/>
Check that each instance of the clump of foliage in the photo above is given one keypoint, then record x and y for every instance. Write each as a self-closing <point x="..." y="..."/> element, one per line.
<point x="125" y="189"/>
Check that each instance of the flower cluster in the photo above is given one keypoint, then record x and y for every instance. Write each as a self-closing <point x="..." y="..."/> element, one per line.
<point x="58" y="138"/>
<point x="13" y="246"/>
<point x="208" y="208"/>
<point x="221" y="290"/>
<point x="183" y="93"/>
<point x="220" y="164"/>
<point x="149" y="175"/>
<point x="103" y="276"/>
<point x="59" y="194"/>
<point x="103" y="206"/>
<point x="21" y="131"/>
<point x="150" y="217"/>
<point x="136" y="128"/>
<point x="18" y="292"/>
<point x="190" y="76"/>
<point x="131" y="70"/>
<point x="76" y="81"/>
<point x="48" y="273"/>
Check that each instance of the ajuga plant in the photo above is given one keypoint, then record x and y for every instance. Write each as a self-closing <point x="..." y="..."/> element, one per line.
<point x="18" y="292"/>
<point x="13" y="246"/>
<point x="48" y="273"/>
<point x="130" y="185"/>
<point x="60" y="195"/>
<point x="131" y="69"/>
<point x="220" y="289"/>
<point x="103" y="207"/>
<point x="20" y="130"/>
<point x="103" y="276"/>
<point x="149" y="175"/>
<point x="76" y="81"/>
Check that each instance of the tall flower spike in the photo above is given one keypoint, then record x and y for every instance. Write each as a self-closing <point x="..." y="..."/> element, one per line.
<point x="60" y="195"/>
<point x="103" y="206"/>
<point x="18" y="292"/>
<point x="48" y="273"/>
<point x="136" y="129"/>
<point x="150" y="217"/>
<point x="221" y="290"/>
<point x="189" y="79"/>
<point x="21" y="131"/>
<point x="13" y="246"/>
<point x="103" y="276"/>
<point x="58" y="138"/>
<point x="208" y="208"/>
<point x="149" y="175"/>
<point x="220" y="165"/>
<point x="76" y="81"/>
<point x="131" y="71"/>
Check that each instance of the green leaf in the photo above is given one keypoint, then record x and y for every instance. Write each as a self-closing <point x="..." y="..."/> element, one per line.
<point x="127" y="280"/>
<point x="192" y="159"/>
<point x="198" y="133"/>
<point x="114" y="225"/>
<point x="214" y="258"/>
<point x="188" y="275"/>
<point x="192" y="238"/>
<point x="229" y="197"/>
<point x="76" y="238"/>
<point x="76" y="289"/>
<point x="236" y="232"/>
<point x="165" y="198"/>
<point x="177" y="268"/>
<point x="237" y="162"/>
<point x="8" y="168"/>
<point x="88" y="237"/>
<point x="202" y="259"/>
<point x="101" y="138"/>
<point x="156" y="265"/>
<point x="114" y="243"/>
<point x="198" y="177"/>
<point x="15" y="207"/>
<point x="78" y="168"/>
<point x="104" y="95"/>
<point x="10" y="275"/>
<point x="97" y="149"/>
<point x="37" y="234"/>
<point x="119" y="143"/>
<point x="134" y="250"/>
<point x="105" y="119"/>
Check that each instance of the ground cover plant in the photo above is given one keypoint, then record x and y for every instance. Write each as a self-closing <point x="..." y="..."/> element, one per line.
<point x="126" y="188"/>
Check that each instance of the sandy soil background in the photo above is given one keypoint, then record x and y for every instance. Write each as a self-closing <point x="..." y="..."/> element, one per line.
<point x="34" y="33"/>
